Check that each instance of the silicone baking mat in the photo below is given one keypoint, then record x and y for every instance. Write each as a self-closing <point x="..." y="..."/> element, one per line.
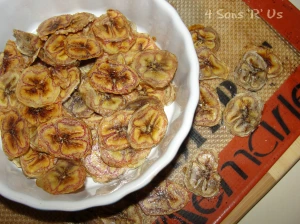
<point x="243" y="161"/>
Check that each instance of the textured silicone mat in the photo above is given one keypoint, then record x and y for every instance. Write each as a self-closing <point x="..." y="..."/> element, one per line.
<point x="243" y="161"/>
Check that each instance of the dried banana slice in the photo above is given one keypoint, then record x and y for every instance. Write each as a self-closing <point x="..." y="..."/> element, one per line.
<point x="67" y="79"/>
<point x="8" y="83"/>
<point x="143" y="100"/>
<point x="205" y="37"/>
<point x="36" y="116"/>
<point x="129" y="157"/>
<point x="102" y="103"/>
<point x="242" y="114"/>
<point x="251" y="73"/>
<point x="35" y="87"/>
<point x="44" y="58"/>
<point x="78" y="22"/>
<point x="118" y="47"/>
<point x="49" y="26"/>
<point x="14" y="135"/>
<point x="65" y="137"/>
<point x="208" y="112"/>
<point x="210" y="65"/>
<point x="155" y="67"/>
<point x="112" y="26"/>
<point x="55" y="50"/>
<point x="12" y="58"/>
<point x="36" y="163"/>
<point x="86" y="66"/>
<point x="65" y="177"/>
<point x="100" y="171"/>
<point x="113" y="131"/>
<point x="113" y="77"/>
<point x="77" y="106"/>
<point x="82" y="47"/>
<point x="166" y="198"/>
<point x="27" y="43"/>
<point x="201" y="176"/>
<point x="147" y="127"/>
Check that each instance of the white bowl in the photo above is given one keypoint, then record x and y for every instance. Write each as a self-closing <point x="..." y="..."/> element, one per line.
<point x="155" y="17"/>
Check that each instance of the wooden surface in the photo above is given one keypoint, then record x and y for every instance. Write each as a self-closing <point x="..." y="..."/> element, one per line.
<point x="278" y="170"/>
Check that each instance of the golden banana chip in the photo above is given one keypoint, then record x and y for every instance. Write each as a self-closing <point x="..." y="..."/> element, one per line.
<point x="243" y="113"/>
<point x="166" y="198"/>
<point x="117" y="47"/>
<point x="201" y="175"/>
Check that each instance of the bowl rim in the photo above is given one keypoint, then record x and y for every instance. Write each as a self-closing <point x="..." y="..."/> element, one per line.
<point x="156" y="167"/>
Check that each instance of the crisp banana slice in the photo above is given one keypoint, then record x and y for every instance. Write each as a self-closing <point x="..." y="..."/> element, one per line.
<point x="49" y="26"/>
<point x="147" y="127"/>
<point x="243" y="113"/>
<point x="210" y="65"/>
<point x="155" y="67"/>
<point x="78" y="22"/>
<point x="208" y="111"/>
<point x="112" y="27"/>
<point x="118" y="47"/>
<point x="12" y="59"/>
<point x="113" y="77"/>
<point x="45" y="59"/>
<point x="102" y="103"/>
<point x="14" y="135"/>
<point x="166" y="198"/>
<point x="65" y="137"/>
<point x="8" y="83"/>
<point x="36" y="116"/>
<point x="35" y="87"/>
<point x="251" y="73"/>
<point x="27" y="43"/>
<point x="67" y="79"/>
<point x="143" y="100"/>
<point x="82" y="48"/>
<point x="205" y="37"/>
<point x="76" y="106"/>
<point x="113" y="131"/>
<point x="100" y="171"/>
<point x="201" y="176"/>
<point x="85" y="67"/>
<point x="55" y="50"/>
<point x="36" y="163"/>
<point x="65" y="177"/>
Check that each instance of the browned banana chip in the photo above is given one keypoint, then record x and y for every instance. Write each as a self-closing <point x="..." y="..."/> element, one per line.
<point x="205" y="37"/>
<point x="67" y="79"/>
<point x="155" y="67"/>
<point x="170" y="93"/>
<point x="36" y="163"/>
<point x="112" y="27"/>
<point x="130" y="215"/>
<point x="14" y="135"/>
<point x="27" y="43"/>
<point x="82" y="48"/>
<point x="78" y="22"/>
<point x="77" y="107"/>
<point x="210" y="65"/>
<point x="65" y="177"/>
<point x="12" y="58"/>
<point x="55" y="51"/>
<point x="39" y="115"/>
<point x="251" y="73"/>
<point x="44" y="57"/>
<point x="112" y="77"/>
<point x="166" y="198"/>
<point x="147" y="127"/>
<point x="140" y="101"/>
<point x="201" y="176"/>
<point x="113" y="131"/>
<point x="65" y="137"/>
<point x="208" y="112"/>
<point x="243" y="113"/>
<point x="118" y="47"/>
<point x="102" y="103"/>
<point x="8" y="83"/>
<point x="36" y="88"/>
<point x="53" y="24"/>
<point x="100" y="171"/>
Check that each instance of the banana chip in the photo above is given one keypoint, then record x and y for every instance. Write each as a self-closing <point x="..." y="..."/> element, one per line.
<point x="166" y="198"/>
<point x="201" y="176"/>
<point x="243" y="113"/>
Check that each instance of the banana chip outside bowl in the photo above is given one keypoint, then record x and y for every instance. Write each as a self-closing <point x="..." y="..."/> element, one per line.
<point x="155" y="17"/>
